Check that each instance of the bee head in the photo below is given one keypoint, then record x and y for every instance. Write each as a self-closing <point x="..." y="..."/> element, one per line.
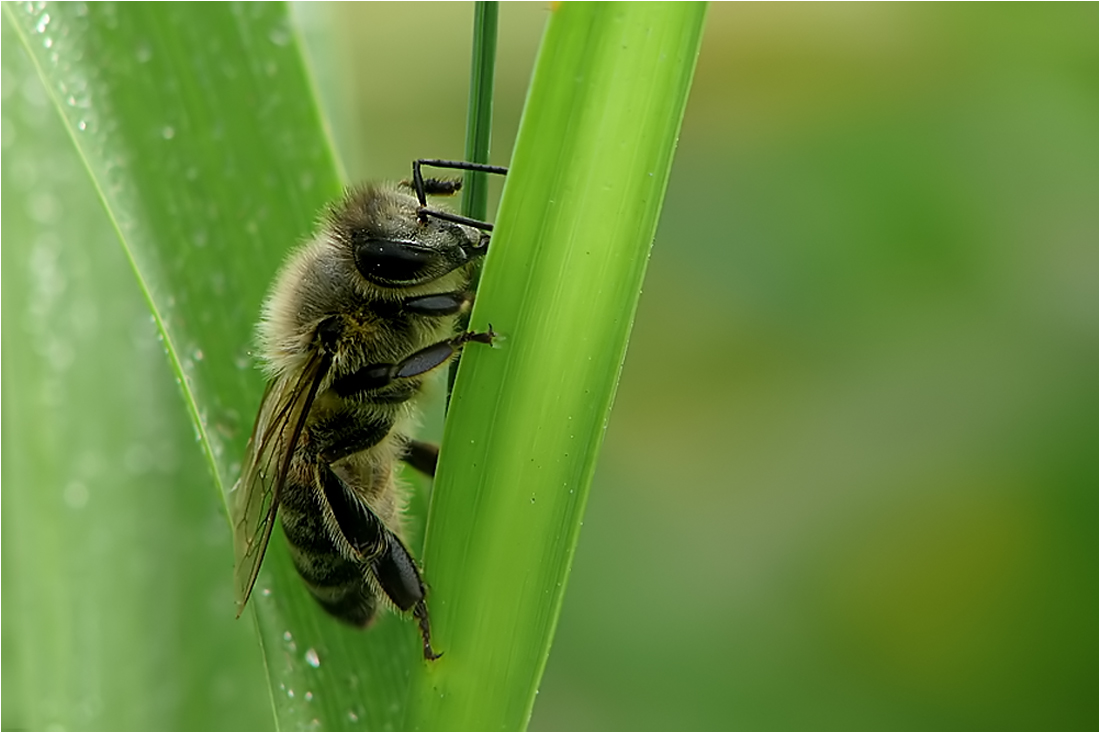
<point x="392" y="247"/>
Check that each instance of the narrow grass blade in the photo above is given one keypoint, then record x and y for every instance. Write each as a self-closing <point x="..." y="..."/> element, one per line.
<point x="479" y="128"/>
<point x="561" y="284"/>
<point x="479" y="121"/>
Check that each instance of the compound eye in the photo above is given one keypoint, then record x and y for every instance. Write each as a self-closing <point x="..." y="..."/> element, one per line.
<point x="388" y="262"/>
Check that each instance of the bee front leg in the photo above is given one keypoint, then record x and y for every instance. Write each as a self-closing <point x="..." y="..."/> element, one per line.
<point x="429" y="186"/>
<point x="439" y="304"/>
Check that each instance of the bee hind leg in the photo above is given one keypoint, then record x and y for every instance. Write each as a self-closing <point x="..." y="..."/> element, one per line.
<point x="400" y="580"/>
<point x="381" y="550"/>
<point x="420" y="611"/>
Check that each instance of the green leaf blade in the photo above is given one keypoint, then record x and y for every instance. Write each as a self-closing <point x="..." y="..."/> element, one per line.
<point x="153" y="98"/>
<point x="561" y="285"/>
<point x="479" y="121"/>
<point x="114" y="600"/>
<point x="198" y="126"/>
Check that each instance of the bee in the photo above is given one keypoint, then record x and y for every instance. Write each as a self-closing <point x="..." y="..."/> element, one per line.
<point x="355" y="322"/>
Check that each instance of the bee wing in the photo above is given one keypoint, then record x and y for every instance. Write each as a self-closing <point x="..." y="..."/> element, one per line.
<point x="283" y="411"/>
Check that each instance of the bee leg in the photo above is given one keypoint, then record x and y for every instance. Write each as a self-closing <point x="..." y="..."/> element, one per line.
<point x="422" y="456"/>
<point x="430" y="357"/>
<point x="439" y="304"/>
<point x="420" y="184"/>
<point x="376" y="376"/>
<point x="400" y="580"/>
<point x="424" y="212"/>
<point x="363" y="531"/>
<point x="438" y="186"/>
<point x="424" y="187"/>
<point x="389" y="561"/>
<point x="420" y="611"/>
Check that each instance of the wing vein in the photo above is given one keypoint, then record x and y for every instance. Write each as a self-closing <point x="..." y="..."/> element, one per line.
<point x="282" y="417"/>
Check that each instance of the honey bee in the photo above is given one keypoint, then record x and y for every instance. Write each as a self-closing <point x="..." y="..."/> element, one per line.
<point x="354" y="323"/>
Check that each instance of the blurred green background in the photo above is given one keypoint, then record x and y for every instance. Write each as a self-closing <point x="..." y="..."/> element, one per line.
<point x="849" y="481"/>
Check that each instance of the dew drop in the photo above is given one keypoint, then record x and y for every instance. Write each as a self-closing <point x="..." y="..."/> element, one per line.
<point x="312" y="659"/>
<point x="44" y="208"/>
<point x="278" y="35"/>
<point x="168" y="132"/>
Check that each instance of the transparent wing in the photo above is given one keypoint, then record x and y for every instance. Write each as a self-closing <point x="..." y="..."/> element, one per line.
<point x="283" y="411"/>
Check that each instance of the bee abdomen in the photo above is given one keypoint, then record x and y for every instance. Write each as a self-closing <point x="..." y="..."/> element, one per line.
<point x="355" y="605"/>
<point x="337" y="583"/>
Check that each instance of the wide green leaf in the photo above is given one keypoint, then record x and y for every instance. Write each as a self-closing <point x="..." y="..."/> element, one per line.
<point x="114" y="545"/>
<point x="114" y="594"/>
<point x="198" y="128"/>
